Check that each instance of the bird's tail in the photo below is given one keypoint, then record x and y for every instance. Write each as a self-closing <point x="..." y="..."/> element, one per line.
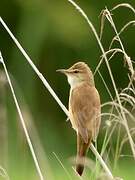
<point x="82" y="149"/>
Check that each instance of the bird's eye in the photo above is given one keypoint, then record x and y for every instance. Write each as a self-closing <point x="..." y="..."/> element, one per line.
<point x="76" y="71"/>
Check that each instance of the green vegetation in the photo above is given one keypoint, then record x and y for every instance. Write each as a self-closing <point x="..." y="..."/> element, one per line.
<point x="56" y="35"/>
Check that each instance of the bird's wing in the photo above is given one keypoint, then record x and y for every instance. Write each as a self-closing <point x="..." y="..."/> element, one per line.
<point x="85" y="103"/>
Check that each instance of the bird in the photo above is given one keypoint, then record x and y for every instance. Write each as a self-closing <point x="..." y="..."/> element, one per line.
<point x="84" y="109"/>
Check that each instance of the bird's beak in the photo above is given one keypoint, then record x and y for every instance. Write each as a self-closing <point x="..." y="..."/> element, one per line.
<point x="63" y="71"/>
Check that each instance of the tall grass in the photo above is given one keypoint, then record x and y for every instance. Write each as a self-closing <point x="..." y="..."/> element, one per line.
<point x="118" y="115"/>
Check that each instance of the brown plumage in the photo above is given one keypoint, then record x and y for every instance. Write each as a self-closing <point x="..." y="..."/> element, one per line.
<point x="84" y="109"/>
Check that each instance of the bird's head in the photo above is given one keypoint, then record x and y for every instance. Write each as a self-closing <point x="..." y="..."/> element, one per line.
<point x="78" y="73"/>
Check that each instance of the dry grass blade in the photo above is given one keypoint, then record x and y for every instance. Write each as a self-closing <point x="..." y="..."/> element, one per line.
<point x="111" y="115"/>
<point x="114" y="51"/>
<point x="109" y="92"/>
<point x="125" y="139"/>
<point x="108" y="135"/>
<point x="124" y="99"/>
<point x="62" y="166"/>
<point x="131" y="80"/>
<point x="102" y="23"/>
<point x="128" y="97"/>
<point x="101" y="161"/>
<point x="128" y="89"/>
<point x="1" y="59"/>
<point x="44" y="81"/>
<point x="127" y="58"/>
<point x="124" y="5"/>
<point x="122" y="30"/>
<point x="37" y="144"/>
<point x="126" y="112"/>
<point x="22" y="121"/>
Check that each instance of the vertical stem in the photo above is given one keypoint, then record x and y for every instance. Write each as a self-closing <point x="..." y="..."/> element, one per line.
<point x="22" y="121"/>
<point x="46" y="84"/>
<point x="117" y="148"/>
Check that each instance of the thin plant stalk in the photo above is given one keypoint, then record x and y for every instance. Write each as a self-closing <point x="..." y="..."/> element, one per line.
<point x="101" y="161"/>
<point x="110" y="19"/>
<point x="116" y="156"/>
<point x="22" y="120"/>
<point x="46" y="84"/>
<point x="69" y="176"/>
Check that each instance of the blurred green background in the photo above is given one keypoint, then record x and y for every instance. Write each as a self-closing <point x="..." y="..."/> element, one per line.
<point x="55" y="36"/>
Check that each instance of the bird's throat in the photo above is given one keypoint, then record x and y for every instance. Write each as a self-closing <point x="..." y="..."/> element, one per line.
<point x="74" y="82"/>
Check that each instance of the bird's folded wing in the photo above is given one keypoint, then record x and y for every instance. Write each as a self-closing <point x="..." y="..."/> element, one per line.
<point x="85" y="103"/>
